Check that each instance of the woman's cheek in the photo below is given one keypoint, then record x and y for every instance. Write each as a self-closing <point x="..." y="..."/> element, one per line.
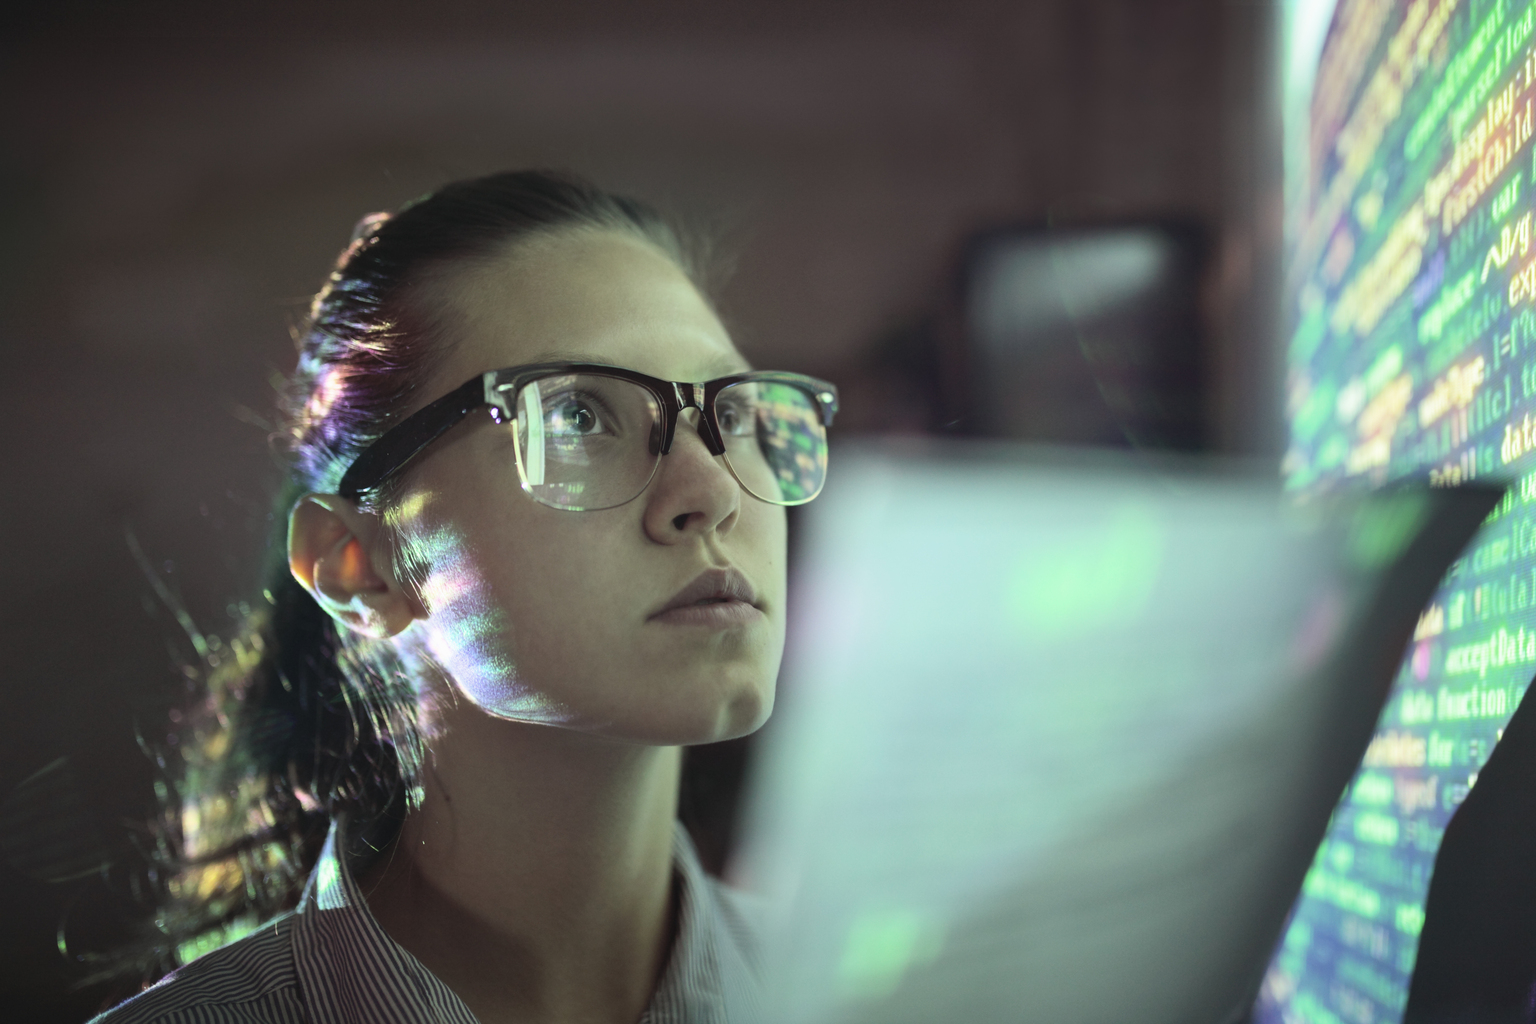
<point x="467" y="632"/>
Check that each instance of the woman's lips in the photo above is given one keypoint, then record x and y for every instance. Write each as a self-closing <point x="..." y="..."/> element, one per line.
<point x="714" y="613"/>
<point x="716" y="597"/>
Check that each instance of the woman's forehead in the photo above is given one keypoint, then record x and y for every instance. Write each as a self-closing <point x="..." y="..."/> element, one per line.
<point x="594" y="296"/>
<point x="721" y="364"/>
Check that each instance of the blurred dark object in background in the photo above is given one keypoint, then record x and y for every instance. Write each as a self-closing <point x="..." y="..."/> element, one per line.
<point x="1477" y="954"/>
<point x="896" y="381"/>
<point x="1082" y="335"/>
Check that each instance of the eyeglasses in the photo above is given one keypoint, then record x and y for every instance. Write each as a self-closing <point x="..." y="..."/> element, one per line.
<point x="591" y="437"/>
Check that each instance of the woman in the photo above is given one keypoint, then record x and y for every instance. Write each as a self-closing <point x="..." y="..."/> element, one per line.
<point x="529" y="557"/>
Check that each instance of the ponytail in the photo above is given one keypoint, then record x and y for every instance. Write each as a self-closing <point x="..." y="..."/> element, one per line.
<point x="298" y="721"/>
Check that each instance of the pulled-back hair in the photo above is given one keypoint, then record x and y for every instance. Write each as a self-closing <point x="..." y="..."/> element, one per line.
<point x="298" y="721"/>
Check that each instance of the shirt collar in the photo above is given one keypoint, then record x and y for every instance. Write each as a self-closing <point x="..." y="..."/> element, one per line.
<point x="351" y="972"/>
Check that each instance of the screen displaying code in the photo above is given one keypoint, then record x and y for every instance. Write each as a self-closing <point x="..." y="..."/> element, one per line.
<point x="1411" y="296"/>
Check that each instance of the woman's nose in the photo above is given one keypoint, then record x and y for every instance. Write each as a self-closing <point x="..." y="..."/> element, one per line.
<point x="693" y="493"/>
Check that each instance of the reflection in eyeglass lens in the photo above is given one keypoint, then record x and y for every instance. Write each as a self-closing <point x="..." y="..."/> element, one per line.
<point x="591" y="442"/>
<point x="591" y="436"/>
<point x="774" y="439"/>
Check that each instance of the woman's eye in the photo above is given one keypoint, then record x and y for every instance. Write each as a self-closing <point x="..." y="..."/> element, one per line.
<point x="571" y="416"/>
<point x="733" y="419"/>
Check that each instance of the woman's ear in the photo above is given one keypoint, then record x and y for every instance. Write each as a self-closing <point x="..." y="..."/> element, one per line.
<point x="331" y="553"/>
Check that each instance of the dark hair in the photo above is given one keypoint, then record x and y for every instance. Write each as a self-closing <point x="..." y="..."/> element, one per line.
<point x="299" y="721"/>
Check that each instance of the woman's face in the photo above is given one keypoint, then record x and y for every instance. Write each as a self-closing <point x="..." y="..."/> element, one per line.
<point x="553" y="616"/>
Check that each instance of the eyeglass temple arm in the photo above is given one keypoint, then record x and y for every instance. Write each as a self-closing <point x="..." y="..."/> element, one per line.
<point x="402" y="443"/>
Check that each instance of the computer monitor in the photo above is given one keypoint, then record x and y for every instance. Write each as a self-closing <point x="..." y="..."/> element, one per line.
<point x="1409" y="290"/>
<point x="1085" y="334"/>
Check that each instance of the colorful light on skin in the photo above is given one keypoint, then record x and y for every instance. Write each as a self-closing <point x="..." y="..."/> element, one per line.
<point x="476" y="645"/>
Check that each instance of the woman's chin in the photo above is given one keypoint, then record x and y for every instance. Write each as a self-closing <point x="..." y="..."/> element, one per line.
<point x="741" y="715"/>
<point x="709" y="705"/>
<point x="710" y="719"/>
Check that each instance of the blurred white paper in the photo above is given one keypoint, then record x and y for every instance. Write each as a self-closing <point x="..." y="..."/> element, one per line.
<point x="1058" y="738"/>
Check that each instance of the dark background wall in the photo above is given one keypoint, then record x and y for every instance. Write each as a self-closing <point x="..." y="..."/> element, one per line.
<point x="175" y="181"/>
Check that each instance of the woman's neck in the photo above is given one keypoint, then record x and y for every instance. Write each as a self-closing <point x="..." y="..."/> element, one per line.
<point x="535" y="879"/>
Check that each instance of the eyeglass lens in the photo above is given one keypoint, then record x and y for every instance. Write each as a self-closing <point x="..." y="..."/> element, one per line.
<point x="587" y="442"/>
<point x="774" y="440"/>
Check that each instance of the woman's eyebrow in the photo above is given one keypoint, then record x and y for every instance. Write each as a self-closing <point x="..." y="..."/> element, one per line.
<point x="723" y="366"/>
<point x="552" y="355"/>
<point x="726" y="366"/>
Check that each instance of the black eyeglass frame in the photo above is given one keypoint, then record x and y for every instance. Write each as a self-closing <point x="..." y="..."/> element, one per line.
<point x="395" y="449"/>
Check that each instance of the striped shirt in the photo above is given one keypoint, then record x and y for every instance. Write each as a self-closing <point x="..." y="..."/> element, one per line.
<point x="330" y="962"/>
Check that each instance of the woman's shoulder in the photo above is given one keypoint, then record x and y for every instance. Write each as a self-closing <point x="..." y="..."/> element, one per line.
<point x="251" y="980"/>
